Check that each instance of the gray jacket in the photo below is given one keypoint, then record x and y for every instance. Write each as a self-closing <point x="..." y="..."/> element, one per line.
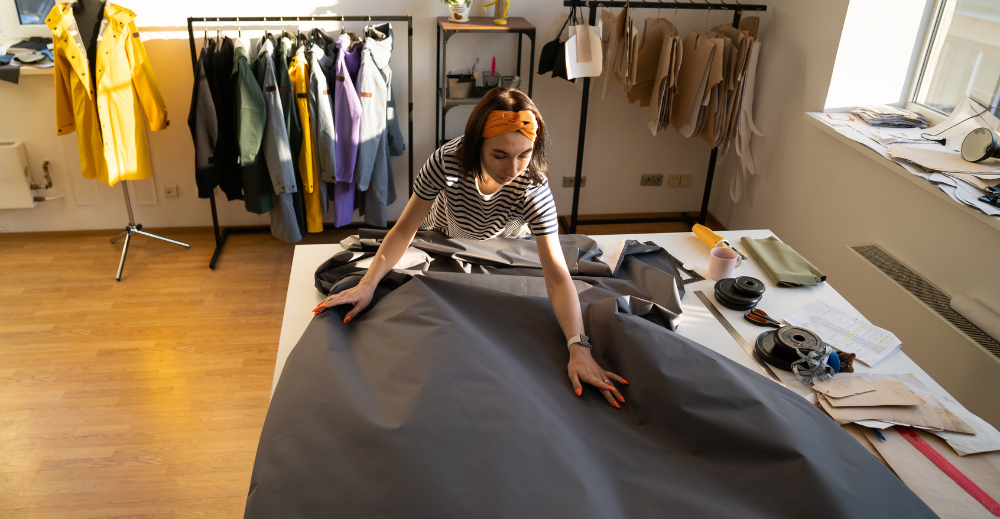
<point x="380" y="133"/>
<point x="321" y="111"/>
<point x="277" y="153"/>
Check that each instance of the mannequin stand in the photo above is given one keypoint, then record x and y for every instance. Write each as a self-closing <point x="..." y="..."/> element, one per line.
<point x="131" y="228"/>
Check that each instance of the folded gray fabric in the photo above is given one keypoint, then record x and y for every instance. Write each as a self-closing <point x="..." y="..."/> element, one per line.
<point x="782" y="264"/>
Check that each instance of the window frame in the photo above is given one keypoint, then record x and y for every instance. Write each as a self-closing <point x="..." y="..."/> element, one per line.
<point x="12" y="28"/>
<point x="930" y="50"/>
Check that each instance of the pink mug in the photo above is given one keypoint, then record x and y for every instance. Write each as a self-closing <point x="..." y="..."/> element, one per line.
<point x="722" y="262"/>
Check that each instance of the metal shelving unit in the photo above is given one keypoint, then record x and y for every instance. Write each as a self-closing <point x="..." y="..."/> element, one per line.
<point x="446" y="29"/>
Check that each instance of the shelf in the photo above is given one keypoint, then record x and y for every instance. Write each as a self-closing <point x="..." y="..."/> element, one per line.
<point x="485" y="24"/>
<point x="450" y="103"/>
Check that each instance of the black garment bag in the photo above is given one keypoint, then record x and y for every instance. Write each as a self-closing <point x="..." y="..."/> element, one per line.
<point x="553" y="56"/>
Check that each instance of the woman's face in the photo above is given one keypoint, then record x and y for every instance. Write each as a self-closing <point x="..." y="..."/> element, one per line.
<point x="506" y="156"/>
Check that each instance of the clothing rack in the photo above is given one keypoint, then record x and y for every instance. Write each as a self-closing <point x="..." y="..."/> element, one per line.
<point x="220" y="235"/>
<point x="570" y="227"/>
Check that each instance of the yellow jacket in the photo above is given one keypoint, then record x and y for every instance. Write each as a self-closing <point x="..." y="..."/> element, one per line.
<point x="298" y="71"/>
<point x="110" y="131"/>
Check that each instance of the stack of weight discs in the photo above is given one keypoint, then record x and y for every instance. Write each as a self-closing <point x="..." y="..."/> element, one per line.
<point x="742" y="293"/>
<point x="780" y="347"/>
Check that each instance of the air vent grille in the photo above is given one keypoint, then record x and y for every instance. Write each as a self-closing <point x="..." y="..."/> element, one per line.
<point x="927" y="293"/>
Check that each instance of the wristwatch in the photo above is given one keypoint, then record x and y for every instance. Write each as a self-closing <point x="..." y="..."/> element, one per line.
<point x="581" y="339"/>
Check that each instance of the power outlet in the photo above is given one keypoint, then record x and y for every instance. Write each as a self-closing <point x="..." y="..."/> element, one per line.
<point x="686" y="180"/>
<point x="569" y="181"/>
<point x="651" y="180"/>
<point x="673" y="181"/>
<point x="3" y="228"/>
<point x="170" y="191"/>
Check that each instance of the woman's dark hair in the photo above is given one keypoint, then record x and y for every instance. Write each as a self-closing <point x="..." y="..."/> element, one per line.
<point x="501" y="98"/>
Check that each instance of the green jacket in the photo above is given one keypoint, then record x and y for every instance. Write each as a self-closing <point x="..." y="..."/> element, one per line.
<point x="251" y="117"/>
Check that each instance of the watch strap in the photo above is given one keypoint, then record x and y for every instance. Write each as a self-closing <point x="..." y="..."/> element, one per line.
<point x="579" y="339"/>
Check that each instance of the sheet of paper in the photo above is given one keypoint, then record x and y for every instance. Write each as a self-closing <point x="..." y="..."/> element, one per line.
<point x="938" y="158"/>
<point x="846" y="333"/>
<point x="930" y="483"/>
<point x="887" y="392"/>
<point x="839" y="387"/>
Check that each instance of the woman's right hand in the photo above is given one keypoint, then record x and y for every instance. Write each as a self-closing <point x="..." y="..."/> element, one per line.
<point x="359" y="296"/>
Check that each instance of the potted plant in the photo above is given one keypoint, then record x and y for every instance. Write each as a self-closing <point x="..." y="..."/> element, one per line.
<point x="459" y="10"/>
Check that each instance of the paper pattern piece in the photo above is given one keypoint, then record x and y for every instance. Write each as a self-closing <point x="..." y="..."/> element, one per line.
<point x="887" y="393"/>
<point x="986" y="437"/>
<point x="839" y="387"/>
<point x="925" y="415"/>
<point x="846" y="333"/>
<point x="930" y="483"/>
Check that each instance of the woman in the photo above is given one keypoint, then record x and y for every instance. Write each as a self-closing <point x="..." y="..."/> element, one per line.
<point x="486" y="184"/>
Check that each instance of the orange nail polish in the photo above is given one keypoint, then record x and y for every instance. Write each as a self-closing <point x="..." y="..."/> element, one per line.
<point x="610" y="388"/>
<point x="347" y="319"/>
<point x="621" y="398"/>
<point x="579" y="391"/>
<point x="616" y="405"/>
<point x="625" y="382"/>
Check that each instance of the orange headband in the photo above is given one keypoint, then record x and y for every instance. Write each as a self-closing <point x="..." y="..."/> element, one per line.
<point x="500" y="122"/>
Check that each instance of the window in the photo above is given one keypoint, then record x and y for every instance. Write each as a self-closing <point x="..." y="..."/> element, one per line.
<point x="962" y="56"/>
<point x="24" y="18"/>
<point x="32" y="12"/>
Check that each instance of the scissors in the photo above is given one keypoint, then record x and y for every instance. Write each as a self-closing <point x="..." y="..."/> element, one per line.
<point x="760" y="318"/>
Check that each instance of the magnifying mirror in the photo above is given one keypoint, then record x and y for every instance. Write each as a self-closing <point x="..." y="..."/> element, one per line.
<point x="980" y="145"/>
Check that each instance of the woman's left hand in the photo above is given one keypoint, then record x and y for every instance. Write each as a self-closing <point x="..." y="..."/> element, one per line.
<point x="583" y="368"/>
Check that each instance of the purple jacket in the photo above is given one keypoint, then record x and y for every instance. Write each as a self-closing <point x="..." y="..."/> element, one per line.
<point x="347" y="129"/>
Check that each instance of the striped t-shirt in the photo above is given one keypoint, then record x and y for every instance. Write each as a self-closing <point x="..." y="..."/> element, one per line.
<point x="461" y="210"/>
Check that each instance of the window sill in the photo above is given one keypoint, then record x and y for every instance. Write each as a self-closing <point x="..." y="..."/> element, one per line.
<point x="814" y="119"/>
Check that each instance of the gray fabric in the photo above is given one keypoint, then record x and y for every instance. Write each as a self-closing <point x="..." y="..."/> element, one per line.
<point x="321" y="115"/>
<point x="449" y="398"/>
<point x="277" y="153"/>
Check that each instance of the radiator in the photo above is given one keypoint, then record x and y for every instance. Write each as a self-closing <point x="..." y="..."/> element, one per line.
<point x="953" y="351"/>
<point x="15" y="177"/>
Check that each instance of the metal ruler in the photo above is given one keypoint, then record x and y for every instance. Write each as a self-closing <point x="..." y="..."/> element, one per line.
<point x="739" y="338"/>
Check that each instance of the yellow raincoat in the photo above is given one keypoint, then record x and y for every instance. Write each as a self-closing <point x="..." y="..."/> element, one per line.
<point x="298" y="71"/>
<point x="109" y="132"/>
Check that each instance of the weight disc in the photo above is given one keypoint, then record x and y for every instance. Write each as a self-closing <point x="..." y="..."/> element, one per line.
<point x="747" y="285"/>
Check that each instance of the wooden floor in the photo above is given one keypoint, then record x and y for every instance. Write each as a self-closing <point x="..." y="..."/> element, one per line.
<point x="143" y="398"/>
<point x="139" y="398"/>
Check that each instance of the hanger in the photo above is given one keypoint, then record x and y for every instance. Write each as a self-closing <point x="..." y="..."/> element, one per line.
<point x="239" y="31"/>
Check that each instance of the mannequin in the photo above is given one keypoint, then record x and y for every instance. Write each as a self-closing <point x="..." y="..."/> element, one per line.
<point x="88" y="15"/>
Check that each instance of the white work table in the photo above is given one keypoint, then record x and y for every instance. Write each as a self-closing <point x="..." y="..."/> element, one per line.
<point x="697" y="323"/>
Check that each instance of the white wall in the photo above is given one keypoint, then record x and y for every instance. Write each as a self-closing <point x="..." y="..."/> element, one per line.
<point x="619" y="148"/>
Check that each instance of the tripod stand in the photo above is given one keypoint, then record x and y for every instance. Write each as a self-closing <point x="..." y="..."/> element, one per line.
<point x="131" y="228"/>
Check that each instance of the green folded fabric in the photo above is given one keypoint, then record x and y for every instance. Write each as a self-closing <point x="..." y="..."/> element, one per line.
<point x="783" y="265"/>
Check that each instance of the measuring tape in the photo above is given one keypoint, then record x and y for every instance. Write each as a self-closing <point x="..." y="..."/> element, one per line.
<point x="739" y="338"/>
<point x="963" y="481"/>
